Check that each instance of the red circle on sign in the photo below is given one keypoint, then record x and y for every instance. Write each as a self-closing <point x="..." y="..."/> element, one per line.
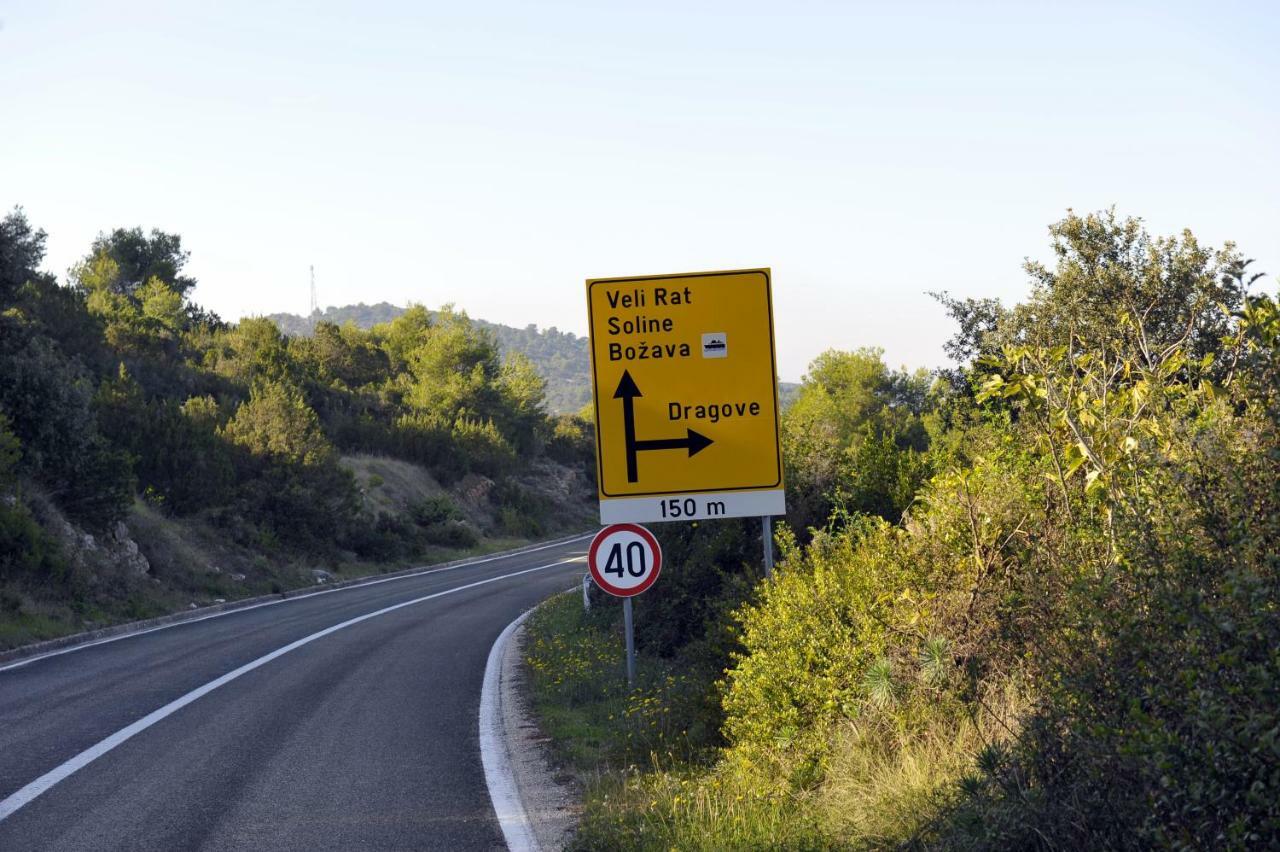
<point x="598" y="575"/>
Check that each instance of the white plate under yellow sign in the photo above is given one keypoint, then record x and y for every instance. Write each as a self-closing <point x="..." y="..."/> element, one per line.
<point x="686" y="398"/>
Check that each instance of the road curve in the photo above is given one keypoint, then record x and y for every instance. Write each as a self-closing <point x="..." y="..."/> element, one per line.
<point x="361" y="737"/>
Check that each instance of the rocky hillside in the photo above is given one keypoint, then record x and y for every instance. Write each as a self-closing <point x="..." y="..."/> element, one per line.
<point x="152" y="563"/>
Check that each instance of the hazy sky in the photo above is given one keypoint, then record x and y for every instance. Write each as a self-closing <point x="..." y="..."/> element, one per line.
<point x="494" y="155"/>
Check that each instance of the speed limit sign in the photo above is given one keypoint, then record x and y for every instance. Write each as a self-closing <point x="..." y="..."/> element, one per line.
<point x="624" y="559"/>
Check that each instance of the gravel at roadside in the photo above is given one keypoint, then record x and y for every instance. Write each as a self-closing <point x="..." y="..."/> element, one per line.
<point x="551" y="798"/>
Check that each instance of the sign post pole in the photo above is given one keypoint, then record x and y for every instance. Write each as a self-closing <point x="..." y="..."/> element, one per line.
<point x="766" y="534"/>
<point x="631" y="642"/>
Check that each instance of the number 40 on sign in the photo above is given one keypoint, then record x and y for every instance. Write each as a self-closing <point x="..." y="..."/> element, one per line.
<point x="624" y="559"/>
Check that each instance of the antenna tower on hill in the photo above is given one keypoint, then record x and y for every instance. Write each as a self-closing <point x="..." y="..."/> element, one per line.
<point x="315" y="307"/>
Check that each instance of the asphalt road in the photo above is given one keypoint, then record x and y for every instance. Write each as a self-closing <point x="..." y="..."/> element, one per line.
<point x="363" y="738"/>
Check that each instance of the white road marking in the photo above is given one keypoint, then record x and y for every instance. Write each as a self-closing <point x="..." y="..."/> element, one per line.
<point x="498" y="775"/>
<point x="25" y="795"/>
<point x="370" y="582"/>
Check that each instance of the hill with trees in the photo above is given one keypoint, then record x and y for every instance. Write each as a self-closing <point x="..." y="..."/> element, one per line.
<point x="560" y="358"/>
<point x="563" y="359"/>
<point x="126" y="410"/>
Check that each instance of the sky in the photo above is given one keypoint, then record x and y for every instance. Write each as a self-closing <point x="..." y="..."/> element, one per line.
<point x="495" y="155"/>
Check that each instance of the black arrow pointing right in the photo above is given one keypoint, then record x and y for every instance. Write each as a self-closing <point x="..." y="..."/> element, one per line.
<point x="627" y="391"/>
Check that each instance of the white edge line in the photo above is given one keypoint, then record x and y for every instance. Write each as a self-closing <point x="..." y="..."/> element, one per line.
<point x="499" y="777"/>
<point x="24" y="796"/>
<point x="371" y="582"/>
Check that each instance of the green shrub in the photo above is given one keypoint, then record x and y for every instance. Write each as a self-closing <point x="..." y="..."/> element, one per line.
<point x="1156" y="720"/>
<point x="573" y="442"/>
<point x="48" y="398"/>
<point x="521" y="512"/>
<point x="10" y="451"/>
<point x="1161" y="729"/>
<point x="481" y="447"/>
<point x="310" y="509"/>
<point x="425" y="439"/>
<point x="436" y="509"/>
<point x="452" y="533"/>
<point x="808" y="645"/>
<point x="278" y="426"/>
<point x="25" y="549"/>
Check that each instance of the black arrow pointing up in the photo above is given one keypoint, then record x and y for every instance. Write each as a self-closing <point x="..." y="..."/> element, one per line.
<point x="627" y="391"/>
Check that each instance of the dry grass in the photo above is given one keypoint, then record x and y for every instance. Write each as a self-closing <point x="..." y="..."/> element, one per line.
<point x="883" y="790"/>
<point x="390" y="485"/>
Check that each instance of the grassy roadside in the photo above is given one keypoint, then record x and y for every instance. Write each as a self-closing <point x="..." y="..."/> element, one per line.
<point x="656" y="776"/>
<point x="647" y="757"/>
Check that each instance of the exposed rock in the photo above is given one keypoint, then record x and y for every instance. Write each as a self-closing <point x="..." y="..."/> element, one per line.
<point x="475" y="488"/>
<point x="471" y="493"/>
<point x="320" y="575"/>
<point x="125" y="552"/>
<point x="111" y="555"/>
<point x="564" y="486"/>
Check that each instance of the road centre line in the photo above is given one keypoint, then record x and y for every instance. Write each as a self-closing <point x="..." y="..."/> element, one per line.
<point x="25" y="795"/>
<point x="371" y="582"/>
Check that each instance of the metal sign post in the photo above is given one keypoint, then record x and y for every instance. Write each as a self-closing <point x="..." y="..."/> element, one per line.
<point x="766" y="534"/>
<point x="631" y="642"/>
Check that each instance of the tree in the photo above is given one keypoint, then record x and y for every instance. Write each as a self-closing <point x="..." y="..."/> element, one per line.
<point x="21" y="251"/>
<point x="161" y="307"/>
<point x="346" y="355"/>
<point x="454" y="369"/>
<point x="976" y="319"/>
<point x="404" y="334"/>
<point x="44" y="308"/>
<point x="10" y="451"/>
<point x="255" y="349"/>
<point x="849" y="399"/>
<point x="1119" y="288"/>
<point x="277" y="425"/>
<point x="523" y="392"/>
<point x="48" y="397"/>
<point x="126" y="259"/>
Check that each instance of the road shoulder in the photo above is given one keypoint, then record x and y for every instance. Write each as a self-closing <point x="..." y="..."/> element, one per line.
<point x="549" y="798"/>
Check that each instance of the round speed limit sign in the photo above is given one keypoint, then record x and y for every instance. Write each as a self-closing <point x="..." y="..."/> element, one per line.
<point x="624" y="559"/>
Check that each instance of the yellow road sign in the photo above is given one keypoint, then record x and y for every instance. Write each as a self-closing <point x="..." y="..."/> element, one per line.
<point x="686" y="399"/>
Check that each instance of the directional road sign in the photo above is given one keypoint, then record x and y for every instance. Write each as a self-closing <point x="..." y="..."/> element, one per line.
<point x="624" y="559"/>
<point x="686" y="397"/>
